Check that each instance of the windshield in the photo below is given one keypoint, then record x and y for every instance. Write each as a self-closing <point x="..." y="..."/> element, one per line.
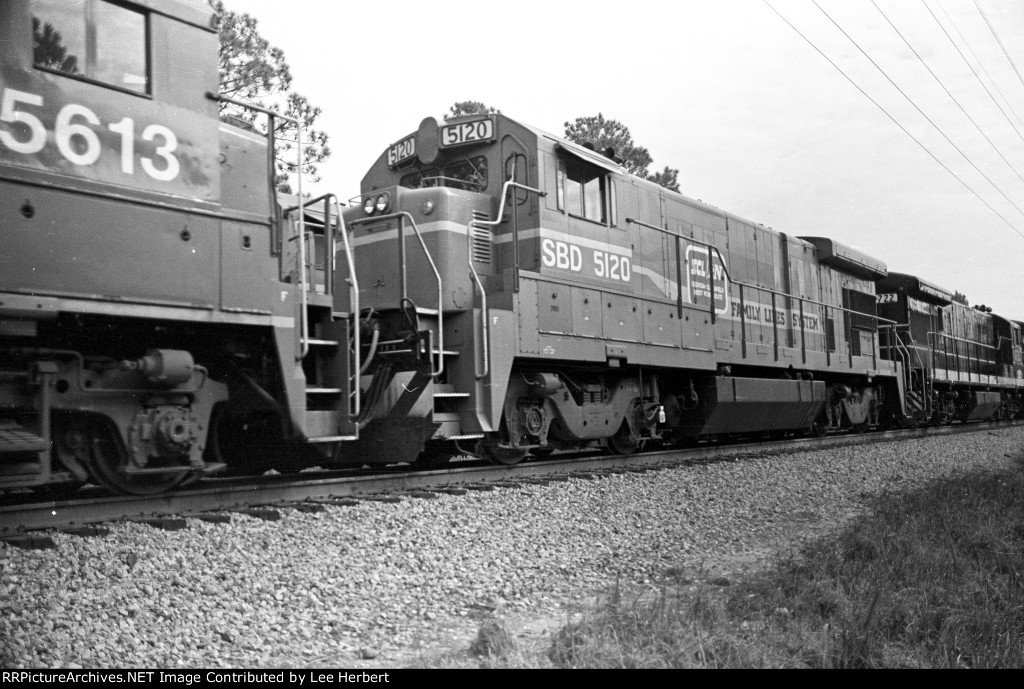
<point x="468" y="173"/>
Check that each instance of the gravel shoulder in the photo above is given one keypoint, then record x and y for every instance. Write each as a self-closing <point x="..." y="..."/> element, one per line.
<point x="392" y="585"/>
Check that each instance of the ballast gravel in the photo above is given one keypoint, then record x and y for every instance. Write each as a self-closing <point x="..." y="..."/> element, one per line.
<point x="371" y="583"/>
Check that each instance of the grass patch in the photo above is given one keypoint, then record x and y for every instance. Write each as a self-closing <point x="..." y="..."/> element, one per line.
<point x="933" y="578"/>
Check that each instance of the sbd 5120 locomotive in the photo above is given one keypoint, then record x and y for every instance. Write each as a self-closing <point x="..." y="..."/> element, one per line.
<point x="567" y="304"/>
<point x="496" y="291"/>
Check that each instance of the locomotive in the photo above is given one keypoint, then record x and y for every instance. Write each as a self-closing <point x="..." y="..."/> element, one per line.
<point x="155" y="295"/>
<point x="495" y="291"/>
<point x="556" y="302"/>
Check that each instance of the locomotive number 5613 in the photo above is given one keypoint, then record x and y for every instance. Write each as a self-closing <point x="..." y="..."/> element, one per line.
<point x="77" y="142"/>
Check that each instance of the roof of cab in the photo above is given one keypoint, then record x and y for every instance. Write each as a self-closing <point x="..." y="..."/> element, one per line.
<point x="917" y="287"/>
<point x="198" y="13"/>
<point x="831" y="252"/>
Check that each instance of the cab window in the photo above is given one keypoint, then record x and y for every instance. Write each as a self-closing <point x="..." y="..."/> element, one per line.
<point x="582" y="191"/>
<point x="467" y="173"/>
<point x="94" y="40"/>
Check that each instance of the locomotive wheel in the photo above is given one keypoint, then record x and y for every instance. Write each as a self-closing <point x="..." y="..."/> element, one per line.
<point x="504" y="456"/>
<point x="106" y="459"/>
<point x="623" y="444"/>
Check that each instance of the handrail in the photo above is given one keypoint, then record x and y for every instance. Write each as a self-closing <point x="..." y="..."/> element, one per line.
<point x="934" y="337"/>
<point x="927" y="384"/>
<point x="330" y="267"/>
<point x="353" y="288"/>
<point x="878" y="320"/>
<point x="939" y="335"/>
<point x="510" y="184"/>
<point x="400" y="216"/>
<point x="729" y="277"/>
<point x="484" y="326"/>
<point x="904" y="353"/>
<point x="303" y="316"/>
<point x="328" y="236"/>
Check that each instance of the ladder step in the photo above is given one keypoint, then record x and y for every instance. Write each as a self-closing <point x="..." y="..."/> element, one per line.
<point x="446" y="352"/>
<point x="332" y="438"/>
<point x="471" y="436"/>
<point x="451" y="394"/>
<point x="313" y="341"/>
<point x="319" y="300"/>
<point x="15" y="438"/>
<point x="323" y="391"/>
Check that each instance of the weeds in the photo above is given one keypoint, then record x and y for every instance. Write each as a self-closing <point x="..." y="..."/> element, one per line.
<point x="931" y="578"/>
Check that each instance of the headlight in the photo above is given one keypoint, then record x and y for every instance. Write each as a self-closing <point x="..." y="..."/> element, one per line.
<point x="382" y="203"/>
<point x="368" y="205"/>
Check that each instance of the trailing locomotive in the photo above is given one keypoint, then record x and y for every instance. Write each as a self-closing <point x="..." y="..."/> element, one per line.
<point x="497" y="291"/>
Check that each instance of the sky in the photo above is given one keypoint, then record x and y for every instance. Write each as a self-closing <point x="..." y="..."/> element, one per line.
<point x="757" y="120"/>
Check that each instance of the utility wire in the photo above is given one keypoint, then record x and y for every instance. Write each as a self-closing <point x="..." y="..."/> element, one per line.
<point x="971" y="67"/>
<point x="993" y="30"/>
<point x="939" y="82"/>
<point x="895" y="121"/>
<point x="916" y="107"/>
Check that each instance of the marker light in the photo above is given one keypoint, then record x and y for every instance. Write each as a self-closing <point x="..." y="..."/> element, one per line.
<point x="427" y="207"/>
<point x="382" y="203"/>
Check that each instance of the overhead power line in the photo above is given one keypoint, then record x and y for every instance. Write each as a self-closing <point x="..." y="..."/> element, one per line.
<point x="916" y="107"/>
<point x="939" y="82"/>
<point x="895" y="121"/>
<point x="971" y="67"/>
<point x="993" y="30"/>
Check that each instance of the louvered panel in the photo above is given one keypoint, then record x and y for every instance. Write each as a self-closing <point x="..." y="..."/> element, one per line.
<point x="482" y="245"/>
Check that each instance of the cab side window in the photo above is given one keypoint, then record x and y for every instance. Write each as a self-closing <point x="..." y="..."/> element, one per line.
<point x="582" y="190"/>
<point x="93" y="40"/>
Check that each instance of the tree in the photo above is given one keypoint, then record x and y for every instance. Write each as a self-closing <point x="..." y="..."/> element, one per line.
<point x="49" y="49"/>
<point x="252" y="70"/>
<point x="469" y="107"/>
<point x="603" y="134"/>
<point x="962" y="298"/>
<point x="668" y="178"/>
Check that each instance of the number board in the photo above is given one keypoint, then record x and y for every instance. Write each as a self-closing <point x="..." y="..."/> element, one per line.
<point x="402" y="151"/>
<point x="467" y="133"/>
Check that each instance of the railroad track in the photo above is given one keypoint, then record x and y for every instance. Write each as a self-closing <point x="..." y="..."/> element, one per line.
<point x="215" y="499"/>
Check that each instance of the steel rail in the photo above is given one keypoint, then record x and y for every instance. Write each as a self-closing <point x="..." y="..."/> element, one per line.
<point x="214" y="496"/>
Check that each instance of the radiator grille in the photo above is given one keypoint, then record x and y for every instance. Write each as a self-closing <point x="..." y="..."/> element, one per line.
<point x="481" y="238"/>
